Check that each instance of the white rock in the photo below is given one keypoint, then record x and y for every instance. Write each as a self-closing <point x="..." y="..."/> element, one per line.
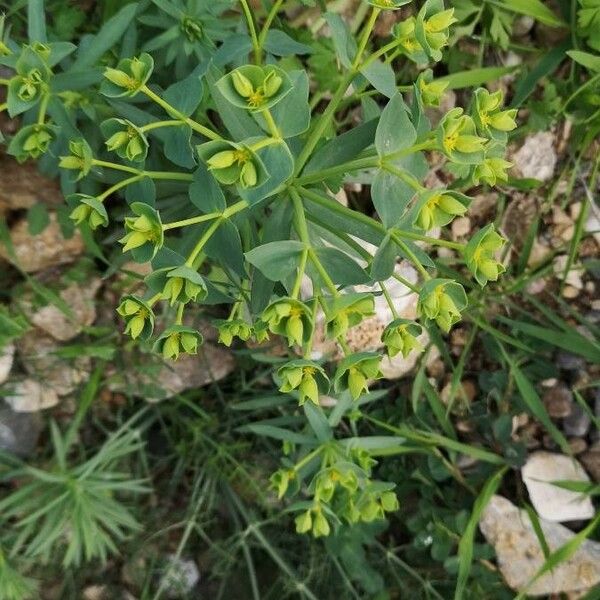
<point x="520" y="556"/>
<point x="62" y="327"/>
<point x="537" y="157"/>
<point x="550" y="501"/>
<point x="6" y="360"/>
<point x="30" y="395"/>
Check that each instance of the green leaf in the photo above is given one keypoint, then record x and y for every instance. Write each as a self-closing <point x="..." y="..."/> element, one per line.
<point x="281" y="44"/>
<point x="534" y="403"/>
<point x="225" y="247"/>
<point x="185" y="95"/>
<point x="465" y="546"/>
<point x="342" y="269"/>
<point x="384" y="260"/>
<point x="590" y="61"/>
<point x="37" y="218"/>
<point x="475" y="77"/>
<point x="276" y="260"/>
<point x="390" y="197"/>
<point x="110" y="33"/>
<point x="205" y="193"/>
<point x="342" y="148"/>
<point x="382" y="77"/>
<point x="395" y="131"/>
<point x="278" y="433"/>
<point x="36" y="21"/>
<point x="343" y="40"/>
<point x="533" y="8"/>
<point x="318" y="422"/>
<point x="177" y="145"/>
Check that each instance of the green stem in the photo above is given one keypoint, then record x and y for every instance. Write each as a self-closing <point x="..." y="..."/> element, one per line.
<point x="383" y="50"/>
<point x="404" y="176"/>
<point x="304" y="461"/>
<point x="154" y="300"/>
<point x="302" y="230"/>
<point x="264" y="143"/>
<point x="160" y="124"/>
<point x="43" y="106"/>
<point x="353" y="165"/>
<point x="252" y="29"/>
<point x="171" y="110"/>
<point x="121" y="184"/>
<point x="4" y="81"/>
<point x="190" y="221"/>
<point x="323" y="122"/>
<point x="271" y="124"/>
<point x="428" y="144"/>
<point x="429" y="240"/>
<point x="322" y="272"/>
<point x="364" y="39"/>
<point x="3" y="106"/>
<point x="174" y="175"/>
<point x="411" y="256"/>
<point x="389" y="299"/>
<point x="405" y="282"/>
<point x="179" y="318"/>
<point x="268" y="21"/>
<point x="115" y="166"/>
<point x="203" y="241"/>
<point x="300" y="275"/>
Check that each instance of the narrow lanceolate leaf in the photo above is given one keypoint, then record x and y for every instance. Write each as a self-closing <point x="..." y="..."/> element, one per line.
<point x="465" y="546"/>
<point x="534" y="403"/>
<point x="533" y="8"/>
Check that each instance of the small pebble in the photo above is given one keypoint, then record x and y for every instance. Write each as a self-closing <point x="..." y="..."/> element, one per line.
<point x="577" y="445"/>
<point x="569" y="362"/>
<point x="558" y="401"/>
<point x="577" y="423"/>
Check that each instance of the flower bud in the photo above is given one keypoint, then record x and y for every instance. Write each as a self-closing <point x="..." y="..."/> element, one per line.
<point x="305" y="376"/>
<point x="321" y="526"/>
<point x="480" y="252"/>
<point x="304" y="522"/>
<point x="145" y="231"/>
<point x="87" y="209"/>
<point x="243" y="86"/>
<point x="177" y="339"/>
<point x="235" y="328"/>
<point x="79" y="160"/>
<point x="289" y="317"/>
<point x="271" y="84"/>
<point x="130" y="75"/>
<point x="442" y="300"/>
<point x="400" y="336"/>
<point x="355" y="371"/>
<point x="347" y="311"/>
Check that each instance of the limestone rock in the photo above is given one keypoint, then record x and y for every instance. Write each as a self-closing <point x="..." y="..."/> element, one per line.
<point x="520" y="556"/>
<point x="19" y="432"/>
<point x="180" y="577"/>
<point x="48" y="249"/>
<point x="38" y="353"/>
<point x="30" y="395"/>
<point x="22" y="186"/>
<point x="159" y="381"/>
<point x="550" y="501"/>
<point x="6" y="360"/>
<point x="537" y="157"/>
<point x="60" y="326"/>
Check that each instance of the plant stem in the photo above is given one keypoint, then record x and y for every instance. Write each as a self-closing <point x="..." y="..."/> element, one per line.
<point x="322" y="272"/>
<point x="179" y="317"/>
<point x="323" y="121"/>
<point x="160" y="124"/>
<point x="43" y="106"/>
<point x="304" y="461"/>
<point x="353" y="165"/>
<point x="4" y="81"/>
<point x="268" y="21"/>
<point x="404" y="176"/>
<point x="121" y="184"/>
<point x="252" y="29"/>
<point x="269" y="141"/>
<point x="171" y="110"/>
<point x="271" y="124"/>
<point x="115" y="166"/>
<point x="364" y="39"/>
<point x="389" y="300"/>
<point x="3" y="106"/>
<point x="302" y="230"/>
<point x="190" y="221"/>
<point x="411" y="255"/>
<point x="405" y="282"/>
<point x="429" y="240"/>
<point x="174" y="175"/>
<point x="203" y="241"/>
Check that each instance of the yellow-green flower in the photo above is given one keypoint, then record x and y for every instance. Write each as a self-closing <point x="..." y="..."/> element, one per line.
<point x="231" y="329"/>
<point x="178" y="339"/>
<point x="438" y="208"/>
<point x="255" y="88"/>
<point x="491" y="170"/>
<point x="145" y="234"/>
<point x="124" y="138"/>
<point x="347" y="311"/>
<point x="280" y="480"/>
<point x="87" y="209"/>
<point x="355" y="371"/>
<point x="130" y="75"/>
<point x="432" y="27"/>
<point x="305" y="376"/>
<point x="79" y="159"/>
<point x="31" y="141"/>
<point x="480" y="255"/>
<point x="290" y="318"/>
<point x="400" y="336"/>
<point x="490" y="119"/>
<point x="232" y="163"/>
<point x="458" y="138"/>
<point x="442" y="301"/>
<point x="431" y="91"/>
<point x="138" y="316"/>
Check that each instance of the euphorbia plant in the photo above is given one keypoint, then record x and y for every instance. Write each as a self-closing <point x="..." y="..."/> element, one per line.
<point x="230" y="176"/>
